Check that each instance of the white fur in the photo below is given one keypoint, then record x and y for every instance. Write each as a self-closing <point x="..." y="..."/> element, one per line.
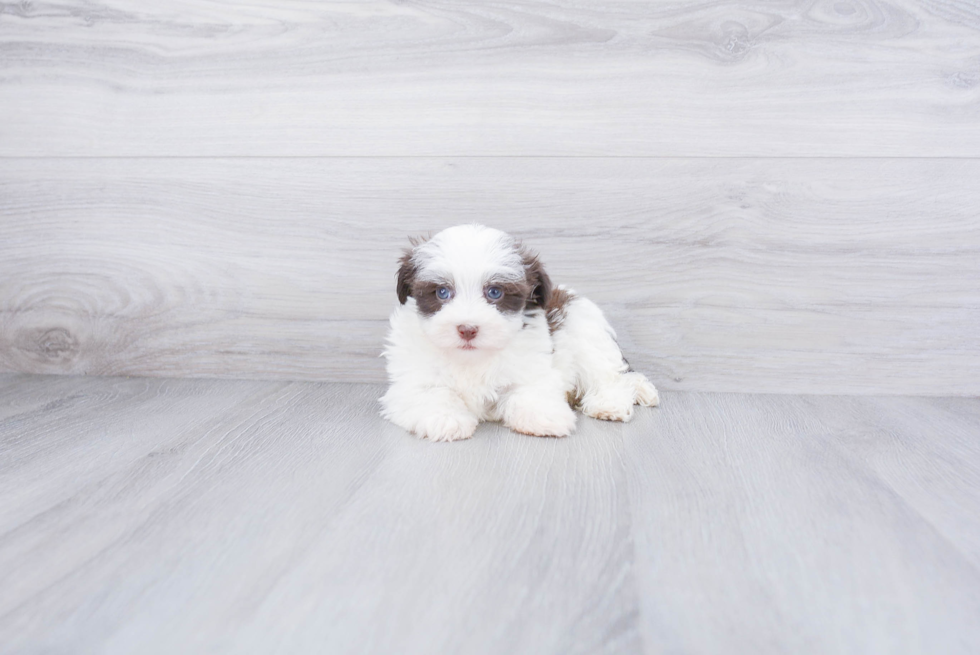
<point x="516" y="371"/>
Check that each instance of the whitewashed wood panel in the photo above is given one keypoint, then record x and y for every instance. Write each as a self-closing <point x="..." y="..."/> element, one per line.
<point x="440" y="77"/>
<point x="824" y="276"/>
<point x="201" y="516"/>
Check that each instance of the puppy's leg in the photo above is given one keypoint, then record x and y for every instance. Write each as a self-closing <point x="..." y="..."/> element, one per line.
<point x="538" y="409"/>
<point x="587" y="353"/>
<point x="434" y="413"/>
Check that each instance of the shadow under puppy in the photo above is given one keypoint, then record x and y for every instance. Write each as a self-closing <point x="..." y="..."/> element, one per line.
<point x="481" y="335"/>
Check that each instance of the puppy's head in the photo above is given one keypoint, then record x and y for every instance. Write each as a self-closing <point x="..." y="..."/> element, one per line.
<point x="472" y="285"/>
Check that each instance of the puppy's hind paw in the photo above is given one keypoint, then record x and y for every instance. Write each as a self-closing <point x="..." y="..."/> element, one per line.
<point x="607" y="409"/>
<point x="612" y="401"/>
<point x="446" y="427"/>
<point x="646" y="393"/>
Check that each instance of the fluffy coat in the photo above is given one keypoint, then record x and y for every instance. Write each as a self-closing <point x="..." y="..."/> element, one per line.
<point x="480" y="334"/>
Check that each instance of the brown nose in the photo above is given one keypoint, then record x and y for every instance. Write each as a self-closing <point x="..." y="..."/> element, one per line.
<point x="468" y="332"/>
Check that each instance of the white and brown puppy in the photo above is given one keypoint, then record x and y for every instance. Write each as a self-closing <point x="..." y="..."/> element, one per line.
<point x="481" y="335"/>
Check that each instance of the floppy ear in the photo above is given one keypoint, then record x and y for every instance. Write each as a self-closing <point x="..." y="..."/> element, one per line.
<point x="408" y="270"/>
<point x="406" y="276"/>
<point x="537" y="279"/>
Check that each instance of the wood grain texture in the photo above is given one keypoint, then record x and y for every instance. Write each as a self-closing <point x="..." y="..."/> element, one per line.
<point x="196" y="516"/>
<point x="851" y="520"/>
<point x="193" y="516"/>
<point x="652" y="78"/>
<point x="797" y="276"/>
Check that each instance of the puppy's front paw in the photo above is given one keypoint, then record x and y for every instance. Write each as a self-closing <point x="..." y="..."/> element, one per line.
<point x="556" y="420"/>
<point x="446" y="427"/>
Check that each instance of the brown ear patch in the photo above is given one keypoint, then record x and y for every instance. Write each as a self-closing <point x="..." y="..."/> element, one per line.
<point x="555" y="312"/>
<point x="537" y="280"/>
<point x="407" y="270"/>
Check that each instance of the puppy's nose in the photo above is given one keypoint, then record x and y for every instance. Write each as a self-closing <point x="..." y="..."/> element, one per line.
<point x="468" y="332"/>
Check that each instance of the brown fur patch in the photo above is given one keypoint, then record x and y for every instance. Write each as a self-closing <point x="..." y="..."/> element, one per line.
<point x="425" y="296"/>
<point x="537" y="279"/>
<point x="555" y="311"/>
<point x="407" y="270"/>
<point x="515" y="296"/>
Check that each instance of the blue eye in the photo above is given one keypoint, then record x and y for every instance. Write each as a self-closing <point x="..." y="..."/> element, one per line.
<point x="494" y="293"/>
<point x="443" y="293"/>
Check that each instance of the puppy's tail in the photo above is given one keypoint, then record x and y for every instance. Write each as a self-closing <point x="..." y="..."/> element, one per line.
<point x="592" y="365"/>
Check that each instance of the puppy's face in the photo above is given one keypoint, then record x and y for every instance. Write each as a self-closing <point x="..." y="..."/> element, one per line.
<point x="471" y="286"/>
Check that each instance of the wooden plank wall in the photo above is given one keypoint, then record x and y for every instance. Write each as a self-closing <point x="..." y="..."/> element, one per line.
<point x="764" y="196"/>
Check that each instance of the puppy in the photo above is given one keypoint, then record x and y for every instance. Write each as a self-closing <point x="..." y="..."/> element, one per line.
<point x="481" y="335"/>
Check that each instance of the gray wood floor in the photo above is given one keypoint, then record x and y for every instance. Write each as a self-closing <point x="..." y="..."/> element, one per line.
<point x="186" y="516"/>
